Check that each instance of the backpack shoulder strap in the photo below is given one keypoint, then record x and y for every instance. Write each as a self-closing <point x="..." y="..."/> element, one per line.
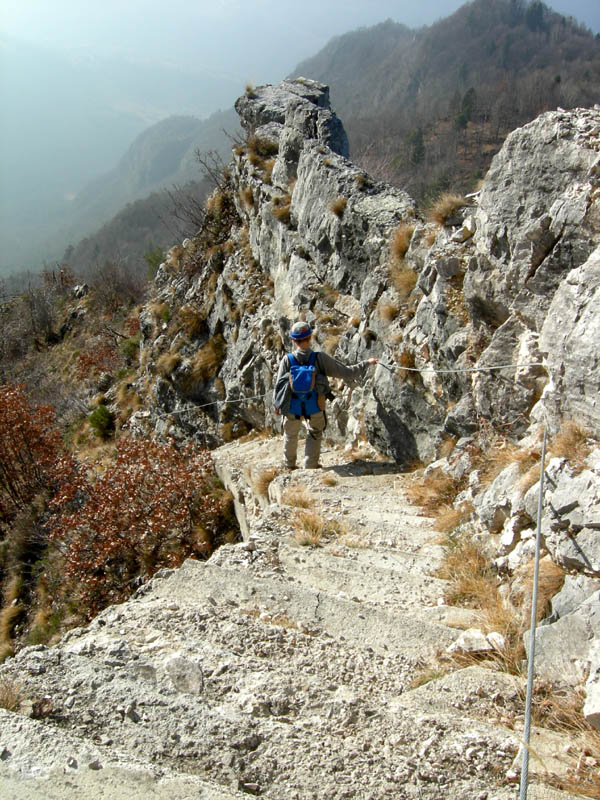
<point x="292" y="360"/>
<point x="312" y="359"/>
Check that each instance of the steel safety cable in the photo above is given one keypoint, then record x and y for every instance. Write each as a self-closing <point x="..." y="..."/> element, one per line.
<point x="531" y="658"/>
<point x="380" y="363"/>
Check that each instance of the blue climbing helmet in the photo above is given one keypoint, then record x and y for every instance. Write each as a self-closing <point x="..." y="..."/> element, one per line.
<point x="300" y="330"/>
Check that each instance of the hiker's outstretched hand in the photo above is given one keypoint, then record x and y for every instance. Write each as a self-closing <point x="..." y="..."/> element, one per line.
<point x="373" y="361"/>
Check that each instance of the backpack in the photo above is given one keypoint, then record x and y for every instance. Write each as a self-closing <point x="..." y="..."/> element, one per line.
<point x="302" y="383"/>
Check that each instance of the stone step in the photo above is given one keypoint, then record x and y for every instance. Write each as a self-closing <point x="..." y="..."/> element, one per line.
<point x="43" y="762"/>
<point x="403" y="582"/>
<point x="391" y="630"/>
<point x="482" y="694"/>
<point x="109" y="783"/>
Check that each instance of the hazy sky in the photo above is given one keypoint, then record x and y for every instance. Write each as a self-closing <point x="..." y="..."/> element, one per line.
<point x="249" y="40"/>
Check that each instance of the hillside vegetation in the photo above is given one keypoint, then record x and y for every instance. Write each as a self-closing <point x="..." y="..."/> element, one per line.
<point x="87" y="511"/>
<point x="426" y="110"/>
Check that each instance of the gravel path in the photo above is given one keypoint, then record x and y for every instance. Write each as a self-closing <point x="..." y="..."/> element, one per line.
<point x="274" y="669"/>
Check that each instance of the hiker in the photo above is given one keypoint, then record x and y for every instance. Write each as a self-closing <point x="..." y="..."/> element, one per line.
<point x="308" y="401"/>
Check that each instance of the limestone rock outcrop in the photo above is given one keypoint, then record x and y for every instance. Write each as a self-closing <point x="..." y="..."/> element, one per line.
<point x="485" y="321"/>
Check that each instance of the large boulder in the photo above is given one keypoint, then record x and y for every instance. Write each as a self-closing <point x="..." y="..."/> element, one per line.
<point x="569" y="341"/>
<point x="564" y="648"/>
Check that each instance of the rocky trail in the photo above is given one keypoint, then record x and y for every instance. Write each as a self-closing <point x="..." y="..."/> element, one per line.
<point x="275" y="669"/>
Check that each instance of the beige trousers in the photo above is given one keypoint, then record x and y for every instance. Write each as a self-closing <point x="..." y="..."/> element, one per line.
<point x="314" y="436"/>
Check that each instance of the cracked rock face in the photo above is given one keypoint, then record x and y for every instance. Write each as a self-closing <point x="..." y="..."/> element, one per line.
<point x="510" y="278"/>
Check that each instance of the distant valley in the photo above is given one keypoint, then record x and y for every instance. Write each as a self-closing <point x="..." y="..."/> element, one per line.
<point x="424" y="109"/>
<point x="68" y="120"/>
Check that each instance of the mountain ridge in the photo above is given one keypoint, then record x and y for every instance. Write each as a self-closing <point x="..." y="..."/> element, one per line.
<point x="437" y="114"/>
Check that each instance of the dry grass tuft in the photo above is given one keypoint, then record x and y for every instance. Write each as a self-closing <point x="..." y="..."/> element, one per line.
<point x="406" y="364"/>
<point x="205" y="364"/>
<point x="10" y="614"/>
<point x="444" y="207"/>
<point x="446" y="447"/>
<point x="331" y="342"/>
<point x="400" y="242"/>
<point x="262" y="147"/>
<point x="127" y="399"/>
<point x="449" y="517"/>
<point x="404" y="280"/>
<point x="247" y="197"/>
<point x="571" y="442"/>
<point x="560" y="708"/>
<point x="330" y="480"/>
<point x="551" y="578"/>
<point x="268" y="170"/>
<point x="160" y="312"/>
<point x="311" y="527"/>
<point x="435" y="490"/>
<point x="353" y="541"/>
<point x="328" y="294"/>
<point x="281" y="208"/>
<point x="473" y="583"/>
<point x="529" y="479"/>
<point x="263" y="479"/>
<point x="500" y="454"/>
<point x="167" y="364"/>
<point x="338" y="206"/>
<point x="428" y="673"/>
<point x="388" y="311"/>
<point x="468" y="571"/>
<point x="298" y="497"/>
<point x="11" y="694"/>
<point x="363" y="182"/>
<point x="431" y="236"/>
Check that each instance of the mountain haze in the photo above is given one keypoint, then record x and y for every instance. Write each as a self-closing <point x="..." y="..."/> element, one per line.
<point x="68" y="119"/>
<point x="163" y="157"/>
